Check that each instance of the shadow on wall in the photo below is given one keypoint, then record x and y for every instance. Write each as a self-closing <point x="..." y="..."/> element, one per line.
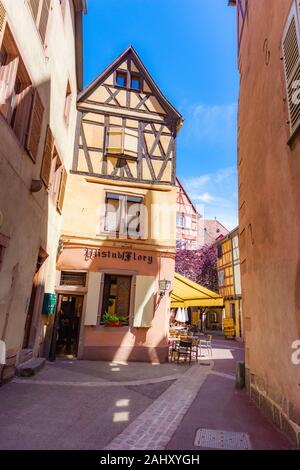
<point x="297" y="297"/>
<point x="24" y="203"/>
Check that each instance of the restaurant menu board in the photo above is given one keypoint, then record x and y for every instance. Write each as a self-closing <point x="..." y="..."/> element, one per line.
<point x="229" y="328"/>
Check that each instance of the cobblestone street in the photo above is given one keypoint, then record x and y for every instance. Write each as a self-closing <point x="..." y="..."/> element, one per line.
<point x="92" y="405"/>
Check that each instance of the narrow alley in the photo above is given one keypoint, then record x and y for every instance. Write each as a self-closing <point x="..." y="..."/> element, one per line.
<point x="99" y="405"/>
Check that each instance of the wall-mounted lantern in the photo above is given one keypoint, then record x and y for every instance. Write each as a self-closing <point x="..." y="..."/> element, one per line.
<point x="164" y="286"/>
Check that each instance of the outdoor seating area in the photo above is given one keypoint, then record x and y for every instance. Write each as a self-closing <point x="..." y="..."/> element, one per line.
<point x="188" y="344"/>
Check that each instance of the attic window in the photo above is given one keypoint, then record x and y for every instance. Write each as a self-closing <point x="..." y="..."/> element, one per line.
<point x="135" y="82"/>
<point x="121" y="79"/>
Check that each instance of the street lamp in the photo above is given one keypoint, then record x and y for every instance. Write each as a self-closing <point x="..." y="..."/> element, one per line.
<point x="164" y="286"/>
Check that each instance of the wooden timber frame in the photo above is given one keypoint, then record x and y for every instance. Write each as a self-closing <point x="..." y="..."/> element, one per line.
<point x="145" y="117"/>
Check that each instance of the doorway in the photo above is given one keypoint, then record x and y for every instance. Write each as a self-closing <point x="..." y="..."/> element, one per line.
<point x="35" y="292"/>
<point x="67" y="324"/>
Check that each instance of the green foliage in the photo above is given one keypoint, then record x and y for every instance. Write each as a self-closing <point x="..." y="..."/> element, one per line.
<point x="110" y="318"/>
<point x="107" y="317"/>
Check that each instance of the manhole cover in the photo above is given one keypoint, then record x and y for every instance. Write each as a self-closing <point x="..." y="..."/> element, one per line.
<point x="212" y="439"/>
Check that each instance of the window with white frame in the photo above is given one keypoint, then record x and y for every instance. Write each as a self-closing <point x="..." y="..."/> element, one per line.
<point x="124" y="215"/>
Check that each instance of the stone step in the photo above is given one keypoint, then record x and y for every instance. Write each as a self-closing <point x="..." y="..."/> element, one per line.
<point x="31" y="367"/>
<point x="25" y="355"/>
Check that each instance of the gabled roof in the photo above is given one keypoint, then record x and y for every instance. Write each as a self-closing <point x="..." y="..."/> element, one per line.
<point x="179" y="184"/>
<point x="118" y="61"/>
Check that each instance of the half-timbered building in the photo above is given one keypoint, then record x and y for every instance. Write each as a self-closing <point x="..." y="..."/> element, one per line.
<point x="187" y="220"/>
<point x="119" y="230"/>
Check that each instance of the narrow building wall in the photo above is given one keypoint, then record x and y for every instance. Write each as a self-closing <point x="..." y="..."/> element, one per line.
<point x="269" y="197"/>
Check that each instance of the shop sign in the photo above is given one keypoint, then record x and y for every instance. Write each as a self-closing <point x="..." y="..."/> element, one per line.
<point x="49" y="304"/>
<point x="125" y="256"/>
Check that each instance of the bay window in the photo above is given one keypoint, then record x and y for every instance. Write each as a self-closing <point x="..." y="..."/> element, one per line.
<point x="122" y="141"/>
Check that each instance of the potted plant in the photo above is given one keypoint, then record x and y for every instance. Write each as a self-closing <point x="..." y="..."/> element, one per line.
<point x="123" y="320"/>
<point x="113" y="320"/>
<point x="110" y="320"/>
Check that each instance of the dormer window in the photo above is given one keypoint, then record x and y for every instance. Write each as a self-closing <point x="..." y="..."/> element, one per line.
<point x="135" y="82"/>
<point x="121" y="79"/>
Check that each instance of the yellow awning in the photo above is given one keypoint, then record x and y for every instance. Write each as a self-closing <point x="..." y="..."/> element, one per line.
<point x="187" y="293"/>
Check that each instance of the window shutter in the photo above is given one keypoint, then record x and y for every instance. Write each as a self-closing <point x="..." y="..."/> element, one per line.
<point x="115" y="139"/>
<point x="62" y="190"/>
<point x="44" y="19"/>
<point x="2" y="21"/>
<point x="131" y="142"/>
<point x="23" y="108"/>
<point x="34" y="5"/>
<point x="291" y="59"/>
<point x="35" y="125"/>
<point x="188" y="222"/>
<point x="8" y="79"/>
<point x="144" y="301"/>
<point x="92" y="302"/>
<point x="67" y="109"/>
<point x="47" y="157"/>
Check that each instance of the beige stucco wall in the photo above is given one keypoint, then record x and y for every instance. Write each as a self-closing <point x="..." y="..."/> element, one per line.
<point x="85" y="209"/>
<point x="31" y="220"/>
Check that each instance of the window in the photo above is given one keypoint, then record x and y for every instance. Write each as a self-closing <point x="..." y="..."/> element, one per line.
<point x="221" y="276"/>
<point x="68" y="101"/>
<point x="116" y="296"/>
<point x="115" y="141"/>
<point x="62" y="190"/>
<point x="291" y="61"/>
<point x="188" y="222"/>
<point x="57" y="181"/>
<point x="124" y="215"/>
<point x="47" y="157"/>
<point x="40" y="10"/>
<point x="20" y="103"/>
<point x="135" y="82"/>
<point x="180" y="220"/>
<point x="219" y="251"/>
<point x="121" y="79"/>
<point x="53" y="174"/>
<point x="75" y="279"/>
<point x="122" y="141"/>
<point x="242" y="10"/>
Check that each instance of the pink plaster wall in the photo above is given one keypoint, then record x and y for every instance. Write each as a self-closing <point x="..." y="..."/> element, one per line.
<point x="126" y="343"/>
<point x="269" y="201"/>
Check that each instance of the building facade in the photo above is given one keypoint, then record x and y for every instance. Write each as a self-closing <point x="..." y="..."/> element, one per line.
<point x="40" y="74"/>
<point x="229" y="275"/>
<point x="210" y="231"/>
<point x="118" y="236"/>
<point x="187" y="220"/>
<point x="269" y="197"/>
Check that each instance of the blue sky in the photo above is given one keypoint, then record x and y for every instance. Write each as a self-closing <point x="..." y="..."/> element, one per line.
<point x="189" y="47"/>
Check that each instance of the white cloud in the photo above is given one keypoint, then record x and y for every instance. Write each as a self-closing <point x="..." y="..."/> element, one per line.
<point x="205" y="197"/>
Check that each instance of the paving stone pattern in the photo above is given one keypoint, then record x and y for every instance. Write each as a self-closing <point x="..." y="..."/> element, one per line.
<point x="153" y="429"/>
